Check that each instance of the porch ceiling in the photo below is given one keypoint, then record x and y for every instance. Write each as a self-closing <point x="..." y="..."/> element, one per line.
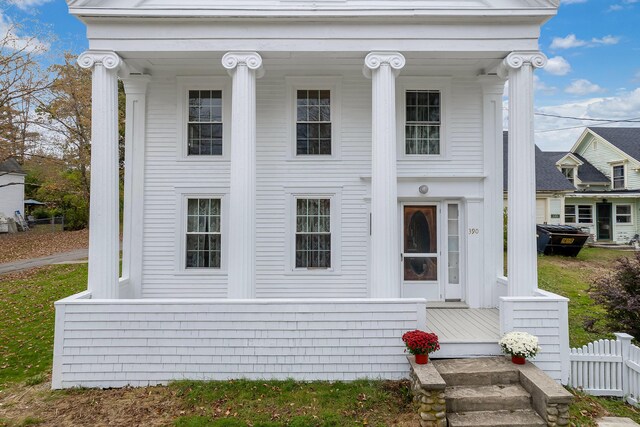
<point x="436" y="64"/>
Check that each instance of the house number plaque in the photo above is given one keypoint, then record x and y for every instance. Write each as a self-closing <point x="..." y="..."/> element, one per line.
<point x="473" y="231"/>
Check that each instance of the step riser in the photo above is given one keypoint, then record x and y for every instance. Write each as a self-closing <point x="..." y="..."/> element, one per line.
<point x="487" y="404"/>
<point x="481" y="378"/>
<point x="527" y="418"/>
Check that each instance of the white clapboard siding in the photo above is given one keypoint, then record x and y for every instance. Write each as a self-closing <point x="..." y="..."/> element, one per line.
<point x="607" y="368"/>
<point x="276" y="171"/>
<point x="545" y="316"/>
<point x="102" y="343"/>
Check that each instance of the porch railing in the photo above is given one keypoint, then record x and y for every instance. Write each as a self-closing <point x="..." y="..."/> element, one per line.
<point x="607" y="368"/>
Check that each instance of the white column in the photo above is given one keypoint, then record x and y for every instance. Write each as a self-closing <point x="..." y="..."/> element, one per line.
<point x="383" y="68"/>
<point x="492" y="235"/>
<point x="522" y="257"/>
<point x="245" y="68"/>
<point x="104" y="218"/>
<point x="135" y="88"/>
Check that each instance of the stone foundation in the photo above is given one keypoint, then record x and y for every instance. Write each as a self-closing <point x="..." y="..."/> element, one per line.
<point x="428" y="389"/>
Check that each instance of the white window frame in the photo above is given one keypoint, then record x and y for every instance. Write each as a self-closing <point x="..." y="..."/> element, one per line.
<point x="574" y="171"/>
<point x="442" y="84"/>
<point x="180" y="254"/>
<point x="630" y="214"/>
<point x="574" y="214"/>
<point x="334" y="194"/>
<point x="624" y="175"/>
<point x="334" y="86"/>
<point x="184" y="85"/>
<point x="576" y="208"/>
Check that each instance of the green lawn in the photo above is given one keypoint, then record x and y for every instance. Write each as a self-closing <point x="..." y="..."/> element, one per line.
<point x="26" y="335"/>
<point x="27" y="320"/>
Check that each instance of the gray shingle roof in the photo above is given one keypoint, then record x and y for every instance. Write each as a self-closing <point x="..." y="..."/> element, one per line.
<point x="626" y="139"/>
<point x="548" y="177"/>
<point x="11" y="166"/>
<point x="586" y="173"/>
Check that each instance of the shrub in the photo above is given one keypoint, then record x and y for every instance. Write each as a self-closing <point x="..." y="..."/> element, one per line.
<point x="619" y="293"/>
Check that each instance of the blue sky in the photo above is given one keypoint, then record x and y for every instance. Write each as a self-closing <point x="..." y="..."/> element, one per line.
<point x="593" y="72"/>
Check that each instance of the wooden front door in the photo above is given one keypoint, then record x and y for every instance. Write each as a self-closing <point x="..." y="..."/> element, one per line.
<point x="420" y="255"/>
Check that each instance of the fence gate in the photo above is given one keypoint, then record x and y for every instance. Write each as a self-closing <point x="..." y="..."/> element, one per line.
<point x="607" y="368"/>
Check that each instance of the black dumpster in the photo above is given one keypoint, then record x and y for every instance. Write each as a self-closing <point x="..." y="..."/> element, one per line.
<point x="560" y="240"/>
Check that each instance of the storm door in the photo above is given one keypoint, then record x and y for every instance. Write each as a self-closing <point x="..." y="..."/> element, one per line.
<point x="603" y="218"/>
<point x="420" y="254"/>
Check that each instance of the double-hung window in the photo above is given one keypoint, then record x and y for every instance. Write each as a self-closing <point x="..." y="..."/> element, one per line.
<point x="204" y="126"/>
<point x="570" y="214"/>
<point x="623" y="214"/>
<point x="422" y="122"/>
<point x="618" y="177"/>
<point x="313" y="233"/>
<point x="203" y="240"/>
<point x="570" y="174"/>
<point x="313" y="122"/>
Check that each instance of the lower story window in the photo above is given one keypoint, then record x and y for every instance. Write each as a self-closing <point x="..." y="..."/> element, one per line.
<point x="580" y="214"/>
<point x="203" y="237"/>
<point x="313" y="233"/>
<point x="623" y="214"/>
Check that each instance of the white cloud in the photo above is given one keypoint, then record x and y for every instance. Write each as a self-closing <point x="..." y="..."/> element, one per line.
<point x="553" y="133"/>
<point x="27" y="4"/>
<point x="558" y="66"/>
<point x="15" y="39"/>
<point x="582" y="87"/>
<point x="571" y="41"/>
<point x="572" y="1"/>
<point x="625" y="4"/>
<point x="541" y="86"/>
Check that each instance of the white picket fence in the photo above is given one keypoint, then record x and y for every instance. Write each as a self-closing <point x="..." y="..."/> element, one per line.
<point x="607" y="368"/>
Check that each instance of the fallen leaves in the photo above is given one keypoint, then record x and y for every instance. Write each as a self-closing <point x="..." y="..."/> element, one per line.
<point x="32" y="244"/>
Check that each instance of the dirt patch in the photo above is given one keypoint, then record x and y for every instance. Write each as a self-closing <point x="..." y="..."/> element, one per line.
<point x="29" y="245"/>
<point x="149" y="406"/>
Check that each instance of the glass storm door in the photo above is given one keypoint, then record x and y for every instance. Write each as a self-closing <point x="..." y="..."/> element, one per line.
<point x="420" y="256"/>
<point x="603" y="211"/>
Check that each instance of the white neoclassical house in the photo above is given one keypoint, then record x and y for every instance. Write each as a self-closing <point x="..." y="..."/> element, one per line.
<point x="305" y="181"/>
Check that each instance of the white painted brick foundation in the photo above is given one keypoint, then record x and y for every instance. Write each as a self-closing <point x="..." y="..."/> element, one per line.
<point x="114" y="343"/>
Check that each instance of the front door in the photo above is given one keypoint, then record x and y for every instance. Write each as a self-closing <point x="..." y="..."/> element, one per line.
<point x="603" y="218"/>
<point x="420" y="254"/>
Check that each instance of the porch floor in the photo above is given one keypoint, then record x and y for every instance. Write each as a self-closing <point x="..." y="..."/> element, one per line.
<point x="465" y="332"/>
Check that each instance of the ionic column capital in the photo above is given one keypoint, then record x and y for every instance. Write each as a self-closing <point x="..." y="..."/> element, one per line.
<point x="375" y="60"/>
<point x="516" y="60"/>
<point x="108" y="59"/>
<point x="252" y="60"/>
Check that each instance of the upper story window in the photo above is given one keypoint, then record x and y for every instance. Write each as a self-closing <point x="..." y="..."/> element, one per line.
<point x="204" y="125"/>
<point x="617" y="178"/>
<point x="203" y="233"/>
<point x="313" y="122"/>
<point x="422" y="122"/>
<point x="313" y="233"/>
<point x="570" y="174"/>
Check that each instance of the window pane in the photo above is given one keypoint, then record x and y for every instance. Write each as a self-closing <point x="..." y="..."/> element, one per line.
<point x="203" y="247"/>
<point x="313" y="233"/>
<point x="422" y="128"/>
<point x="313" y="127"/>
<point x="204" y="130"/>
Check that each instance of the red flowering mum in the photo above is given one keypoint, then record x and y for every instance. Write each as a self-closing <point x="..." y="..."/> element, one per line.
<point x="420" y="342"/>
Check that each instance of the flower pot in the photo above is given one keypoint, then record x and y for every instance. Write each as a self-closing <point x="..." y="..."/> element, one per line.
<point x="422" y="359"/>
<point x="518" y="360"/>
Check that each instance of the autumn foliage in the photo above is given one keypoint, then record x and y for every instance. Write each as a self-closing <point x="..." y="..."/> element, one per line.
<point x="420" y="342"/>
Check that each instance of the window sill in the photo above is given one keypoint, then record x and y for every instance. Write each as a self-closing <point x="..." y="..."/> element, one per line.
<point x="313" y="158"/>
<point x="203" y="159"/>
<point x="201" y="272"/>
<point x="312" y="272"/>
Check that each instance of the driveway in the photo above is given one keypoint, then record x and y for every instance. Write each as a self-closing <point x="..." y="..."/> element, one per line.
<point x="61" y="258"/>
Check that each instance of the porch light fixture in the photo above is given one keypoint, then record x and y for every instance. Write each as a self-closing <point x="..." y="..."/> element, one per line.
<point x="423" y="189"/>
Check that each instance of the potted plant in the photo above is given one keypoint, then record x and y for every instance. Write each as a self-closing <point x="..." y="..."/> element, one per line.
<point x="520" y="345"/>
<point x="420" y="344"/>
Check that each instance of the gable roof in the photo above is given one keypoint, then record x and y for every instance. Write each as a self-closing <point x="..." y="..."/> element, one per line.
<point x="587" y="173"/>
<point x="11" y="166"/>
<point x="624" y="139"/>
<point x="548" y="177"/>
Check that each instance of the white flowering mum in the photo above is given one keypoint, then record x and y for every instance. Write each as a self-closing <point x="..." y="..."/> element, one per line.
<point x="520" y="344"/>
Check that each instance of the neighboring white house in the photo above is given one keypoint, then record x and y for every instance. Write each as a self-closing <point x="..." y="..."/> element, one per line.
<point x="304" y="181"/>
<point x="11" y="188"/>
<point x="595" y="186"/>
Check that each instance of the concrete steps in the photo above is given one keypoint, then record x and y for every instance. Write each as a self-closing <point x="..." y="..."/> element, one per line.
<point x="521" y="418"/>
<point x="486" y="392"/>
